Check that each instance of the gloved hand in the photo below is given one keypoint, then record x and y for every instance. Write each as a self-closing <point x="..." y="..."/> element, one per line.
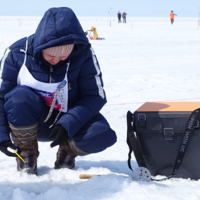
<point x="61" y="135"/>
<point x="5" y="145"/>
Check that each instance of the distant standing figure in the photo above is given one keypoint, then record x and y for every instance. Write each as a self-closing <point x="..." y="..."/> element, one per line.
<point x="171" y="15"/>
<point x="124" y="16"/>
<point x="119" y="17"/>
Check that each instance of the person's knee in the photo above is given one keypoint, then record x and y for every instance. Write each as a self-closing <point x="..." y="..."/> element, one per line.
<point x="97" y="140"/>
<point x="23" y="106"/>
<point x="104" y="139"/>
<point x="109" y="137"/>
<point x="19" y="97"/>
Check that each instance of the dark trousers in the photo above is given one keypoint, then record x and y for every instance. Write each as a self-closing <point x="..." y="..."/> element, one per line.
<point x="124" y="20"/>
<point x="172" y="21"/>
<point x="24" y="107"/>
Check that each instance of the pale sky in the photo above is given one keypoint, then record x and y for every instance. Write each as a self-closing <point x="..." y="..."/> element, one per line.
<point x="134" y="8"/>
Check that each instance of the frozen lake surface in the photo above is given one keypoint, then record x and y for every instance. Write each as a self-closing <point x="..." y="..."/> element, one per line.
<point x="147" y="59"/>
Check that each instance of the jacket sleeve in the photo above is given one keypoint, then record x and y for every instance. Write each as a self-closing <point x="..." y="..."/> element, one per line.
<point x="92" y="95"/>
<point x="8" y="82"/>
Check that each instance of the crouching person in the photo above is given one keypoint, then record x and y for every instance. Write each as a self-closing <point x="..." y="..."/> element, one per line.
<point x="52" y="90"/>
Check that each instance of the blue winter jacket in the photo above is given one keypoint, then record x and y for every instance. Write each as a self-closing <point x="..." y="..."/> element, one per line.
<point x="59" y="26"/>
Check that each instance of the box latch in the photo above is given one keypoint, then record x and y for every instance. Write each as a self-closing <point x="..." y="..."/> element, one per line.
<point x="142" y="120"/>
<point x="168" y="133"/>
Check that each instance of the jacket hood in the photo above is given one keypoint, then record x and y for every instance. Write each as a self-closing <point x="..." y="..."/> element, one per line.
<point x="59" y="26"/>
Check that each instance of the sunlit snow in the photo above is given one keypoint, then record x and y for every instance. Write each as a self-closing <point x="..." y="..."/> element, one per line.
<point x="147" y="59"/>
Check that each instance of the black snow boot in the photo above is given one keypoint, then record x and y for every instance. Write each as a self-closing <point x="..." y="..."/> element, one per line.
<point x="66" y="155"/>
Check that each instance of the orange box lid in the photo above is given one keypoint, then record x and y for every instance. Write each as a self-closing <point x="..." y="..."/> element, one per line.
<point x="169" y="107"/>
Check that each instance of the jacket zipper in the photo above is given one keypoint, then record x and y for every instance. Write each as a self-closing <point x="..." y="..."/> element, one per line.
<point x="51" y="71"/>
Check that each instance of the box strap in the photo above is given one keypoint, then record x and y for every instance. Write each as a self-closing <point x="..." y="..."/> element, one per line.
<point x="185" y="139"/>
<point x="184" y="143"/>
<point x="133" y="142"/>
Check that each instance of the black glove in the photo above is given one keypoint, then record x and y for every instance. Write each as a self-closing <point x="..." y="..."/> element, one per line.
<point x="61" y="135"/>
<point x="3" y="148"/>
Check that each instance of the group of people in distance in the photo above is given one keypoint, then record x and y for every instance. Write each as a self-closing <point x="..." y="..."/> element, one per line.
<point x="123" y="15"/>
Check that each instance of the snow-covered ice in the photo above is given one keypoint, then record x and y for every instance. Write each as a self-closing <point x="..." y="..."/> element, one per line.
<point x="147" y="59"/>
